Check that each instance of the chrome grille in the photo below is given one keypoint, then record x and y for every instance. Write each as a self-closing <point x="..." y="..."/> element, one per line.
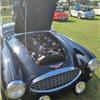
<point x="55" y="81"/>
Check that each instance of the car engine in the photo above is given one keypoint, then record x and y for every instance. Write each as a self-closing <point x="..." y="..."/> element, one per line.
<point x="44" y="48"/>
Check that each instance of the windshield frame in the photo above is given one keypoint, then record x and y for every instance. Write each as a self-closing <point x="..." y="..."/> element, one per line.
<point x="86" y="9"/>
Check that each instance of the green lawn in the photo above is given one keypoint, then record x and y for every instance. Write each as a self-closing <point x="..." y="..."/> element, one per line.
<point x="87" y="33"/>
<point x="5" y="12"/>
<point x="6" y="15"/>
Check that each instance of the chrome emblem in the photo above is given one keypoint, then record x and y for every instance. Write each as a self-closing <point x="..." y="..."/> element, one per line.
<point x="56" y="66"/>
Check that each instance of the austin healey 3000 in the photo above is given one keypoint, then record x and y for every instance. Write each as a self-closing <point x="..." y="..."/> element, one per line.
<point x="36" y="60"/>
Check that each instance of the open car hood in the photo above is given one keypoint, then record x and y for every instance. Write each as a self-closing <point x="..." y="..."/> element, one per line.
<point x="34" y="15"/>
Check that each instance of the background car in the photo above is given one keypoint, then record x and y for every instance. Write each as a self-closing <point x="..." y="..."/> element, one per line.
<point x="60" y="14"/>
<point x="97" y="11"/>
<point x="84" y="12"/>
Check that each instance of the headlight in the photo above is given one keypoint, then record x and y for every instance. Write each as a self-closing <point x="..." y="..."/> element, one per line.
<point x="15" y="89"/>
<point x="93" y="64"/>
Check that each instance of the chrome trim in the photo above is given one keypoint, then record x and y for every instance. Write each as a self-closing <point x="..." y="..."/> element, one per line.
<point x="49" y="74"/>
<point x="15" y="83"/>
<point x="93" y="60"/>
<point x="52" y="73"/>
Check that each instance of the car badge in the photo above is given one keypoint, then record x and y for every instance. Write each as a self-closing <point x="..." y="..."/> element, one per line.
<point x="56" y="66"/>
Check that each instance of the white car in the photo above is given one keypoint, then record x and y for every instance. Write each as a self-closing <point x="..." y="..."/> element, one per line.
<point x="84" y="12"/>
<point x="97" y="11"/>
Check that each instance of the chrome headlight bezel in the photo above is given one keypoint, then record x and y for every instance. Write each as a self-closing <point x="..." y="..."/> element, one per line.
<point x="15" y="89"/>
<point x="93" y="64"/>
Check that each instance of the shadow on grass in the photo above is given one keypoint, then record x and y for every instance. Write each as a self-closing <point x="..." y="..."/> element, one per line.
<point x="92" y="92"/>
<point x="97" y="18"/>
<point x="71" y="21"/>
<point x="66" y="21"/>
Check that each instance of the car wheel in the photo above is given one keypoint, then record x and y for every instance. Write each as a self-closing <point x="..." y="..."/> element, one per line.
<point x="45" y="97"/>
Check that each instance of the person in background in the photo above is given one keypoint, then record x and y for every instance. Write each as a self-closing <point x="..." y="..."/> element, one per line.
<point x="77" y="6"/>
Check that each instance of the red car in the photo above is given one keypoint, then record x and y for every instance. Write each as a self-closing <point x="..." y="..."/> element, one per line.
<point x="60" y="15"/>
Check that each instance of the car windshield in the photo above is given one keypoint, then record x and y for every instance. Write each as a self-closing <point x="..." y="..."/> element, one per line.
<point x="60" y="9"/>
<point x="86" y="9"/>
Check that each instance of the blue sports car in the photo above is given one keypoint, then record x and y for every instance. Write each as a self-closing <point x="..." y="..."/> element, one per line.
<point x="37" y="62"/>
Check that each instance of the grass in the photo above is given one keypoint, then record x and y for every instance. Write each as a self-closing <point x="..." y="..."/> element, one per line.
<point x="5" y="12"/>
<point x="6" y="15"/>
<point x="87" y="33"/>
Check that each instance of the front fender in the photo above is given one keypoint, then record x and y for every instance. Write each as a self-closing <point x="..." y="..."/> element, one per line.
<point x="83" y="55"/>
<point x="10" y="70"/>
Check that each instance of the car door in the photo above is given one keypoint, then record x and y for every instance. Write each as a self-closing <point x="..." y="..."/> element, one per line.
<point x="74" y="13"/>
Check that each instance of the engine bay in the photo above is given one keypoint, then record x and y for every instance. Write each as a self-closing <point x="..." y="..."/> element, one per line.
<point x="44" y="48"/>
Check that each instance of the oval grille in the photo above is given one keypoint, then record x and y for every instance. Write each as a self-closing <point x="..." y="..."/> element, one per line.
<point x="55" y="81"/>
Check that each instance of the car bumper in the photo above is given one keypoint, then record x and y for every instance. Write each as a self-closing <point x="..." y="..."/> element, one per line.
<point x="82" y="76"/>
<point x="61" y="18"/>
<point x="88" y="17"/>
<point x="30" y="95"/>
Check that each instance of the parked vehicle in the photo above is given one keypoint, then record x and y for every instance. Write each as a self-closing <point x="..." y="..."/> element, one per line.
<point x="39" y="61"/>
<point x="97" y="11"/>
<point x="84" y="12"/>
<point x="60" y="14"/>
